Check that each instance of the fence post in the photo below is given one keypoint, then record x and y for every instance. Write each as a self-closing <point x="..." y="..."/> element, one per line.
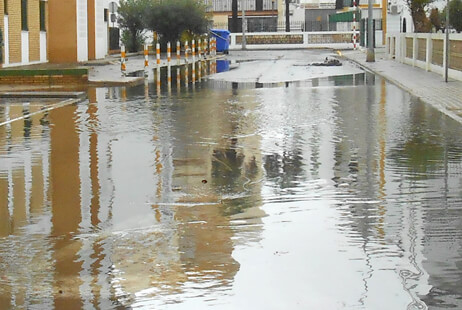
<point x="429" y="52"/>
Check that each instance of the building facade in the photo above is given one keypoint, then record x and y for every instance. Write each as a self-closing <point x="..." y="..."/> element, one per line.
<point x="24" y="36"/>
<point x="78" y="30"/>
<point x="261" y="15"/>
<point x="55" y="31"/>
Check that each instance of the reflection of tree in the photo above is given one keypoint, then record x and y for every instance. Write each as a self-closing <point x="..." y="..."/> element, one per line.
<point x="226" y="168"/>
<point x="233" y="176"/>
<point x="284" y="169"/>
<point x="420" y="155"/>
<point x="424" y="151"/>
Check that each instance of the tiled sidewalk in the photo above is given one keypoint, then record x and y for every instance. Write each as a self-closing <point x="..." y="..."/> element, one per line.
<point x="427" y="86"/>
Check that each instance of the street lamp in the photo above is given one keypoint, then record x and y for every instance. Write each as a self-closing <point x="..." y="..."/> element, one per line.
<point x="287" y="16"/>
<point x="244" y="26"/>
<point x="446" y="55"/>
<point x="370" y="35"/>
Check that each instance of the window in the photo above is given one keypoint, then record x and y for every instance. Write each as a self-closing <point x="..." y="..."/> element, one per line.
<point x="42" y="16"/>
<point x="24" y="15"/>
<point x="5" y="7"/>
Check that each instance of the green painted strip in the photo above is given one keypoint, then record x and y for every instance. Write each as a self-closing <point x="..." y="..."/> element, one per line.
<point x="45" y="72"/>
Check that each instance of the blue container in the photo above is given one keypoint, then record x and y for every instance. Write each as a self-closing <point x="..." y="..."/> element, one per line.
<point x="222" y="65"/>
<point x="223" y="39"/>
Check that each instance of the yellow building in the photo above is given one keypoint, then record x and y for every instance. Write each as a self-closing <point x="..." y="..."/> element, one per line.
<point x="55" y="31"/>
<point x="23" y="31"/>
<point x="77" y="30"/>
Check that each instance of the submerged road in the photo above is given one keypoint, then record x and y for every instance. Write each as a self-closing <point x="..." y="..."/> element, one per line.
<point x="340" y="193"/>
<point x="280" y="66"/>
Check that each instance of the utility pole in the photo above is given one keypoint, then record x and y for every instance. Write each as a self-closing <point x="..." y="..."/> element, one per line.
<point x="446" y="54"/>
<point x="287" y="16"/>
<point x="370" y="34"/>
<point x="244" y="25"/>
<point x="234" y="16"/>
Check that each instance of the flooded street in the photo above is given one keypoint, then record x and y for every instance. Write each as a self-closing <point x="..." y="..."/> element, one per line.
<point x="338" y="192"/>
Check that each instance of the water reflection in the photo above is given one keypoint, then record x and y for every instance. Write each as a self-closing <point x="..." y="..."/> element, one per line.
<point x="214" y="196"/>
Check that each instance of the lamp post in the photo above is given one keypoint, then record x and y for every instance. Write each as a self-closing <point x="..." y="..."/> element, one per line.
<point x="287" y="16"/>
<point x="234" y="24"/>
<point x="370" y="35"/>
<point x="446" y="54"/>
<point x="244" y="25"/>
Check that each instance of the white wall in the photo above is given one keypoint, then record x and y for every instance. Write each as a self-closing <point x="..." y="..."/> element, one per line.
<point x="82" y="30"/>
<point x="395" y="21"/>
<point x="43" y="46"/>
<point x="6" y="47"/>
<point x="24" y="47"/>
<point x="101" y="29"/>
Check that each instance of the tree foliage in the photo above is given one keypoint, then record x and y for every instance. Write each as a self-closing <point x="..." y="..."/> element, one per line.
<point x="132" y="20"/>
<point x="455" y="14"/>
<point x="418" y="10"/>
<point x="172" y="18"/>
<point x="435" y="19"/>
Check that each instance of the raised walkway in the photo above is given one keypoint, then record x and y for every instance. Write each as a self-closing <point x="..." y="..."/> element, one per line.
<point x="427" y="86"/>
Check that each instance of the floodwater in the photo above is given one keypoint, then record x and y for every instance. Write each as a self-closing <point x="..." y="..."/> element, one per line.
<point x="337" y="193"/>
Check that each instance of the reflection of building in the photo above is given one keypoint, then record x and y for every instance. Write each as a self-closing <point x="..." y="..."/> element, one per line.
<point x="102" y="202"/>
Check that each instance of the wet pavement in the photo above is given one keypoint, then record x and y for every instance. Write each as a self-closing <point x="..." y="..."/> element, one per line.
<point x="329" y="192"/>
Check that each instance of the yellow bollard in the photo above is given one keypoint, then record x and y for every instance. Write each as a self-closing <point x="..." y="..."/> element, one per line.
<point x="123" y="68"/>
<point x="178" y="78"/>
<point x="158" y="55"/>
<point x="146" y="59"/>
<point x="178" y="53"/>
<point x="186" y="76"/>
<point x="186" y="47"/>
<point x="193" y="49"/>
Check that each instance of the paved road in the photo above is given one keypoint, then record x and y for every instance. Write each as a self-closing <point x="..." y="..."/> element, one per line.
<point x="278" y="66"/>
<point x="427" y="86"/>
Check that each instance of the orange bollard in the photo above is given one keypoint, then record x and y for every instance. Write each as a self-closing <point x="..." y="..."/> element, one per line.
<point x="178" y="53"/>
<point x="123" y="68"/>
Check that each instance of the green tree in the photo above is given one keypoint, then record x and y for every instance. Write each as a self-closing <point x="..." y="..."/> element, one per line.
<point x="131" y="20"/>
<point x="172" y="18"/>
<point x="455" y="14"/>
<point x="435" y="19"/>
<point x="418" y="12"/>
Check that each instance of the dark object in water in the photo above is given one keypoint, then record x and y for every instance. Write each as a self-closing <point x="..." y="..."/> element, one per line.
<point x="328" y="63"/>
